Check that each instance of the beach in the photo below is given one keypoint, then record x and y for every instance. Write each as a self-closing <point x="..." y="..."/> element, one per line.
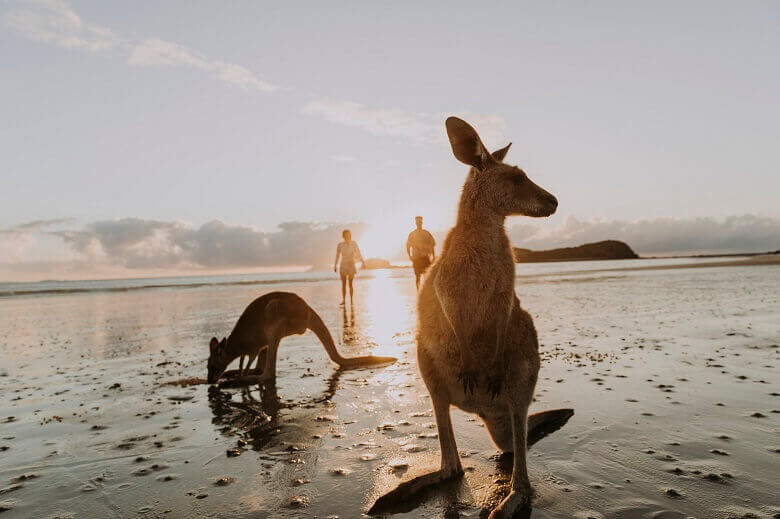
<point x="671" y="369"/>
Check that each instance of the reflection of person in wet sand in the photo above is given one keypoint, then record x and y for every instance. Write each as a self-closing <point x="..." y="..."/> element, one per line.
<point x="349" y="252"/>
<point x="420" y="248"/>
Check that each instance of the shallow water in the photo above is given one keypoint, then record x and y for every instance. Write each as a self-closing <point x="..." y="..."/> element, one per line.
<point x="672" y="374"/>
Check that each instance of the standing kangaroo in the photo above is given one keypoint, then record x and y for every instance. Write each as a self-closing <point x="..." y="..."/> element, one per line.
<point x="265" y="322"/>
<point x="476" y="348"/>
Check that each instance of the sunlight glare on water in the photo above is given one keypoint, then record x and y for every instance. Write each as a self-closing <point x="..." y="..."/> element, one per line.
<point x="388" y="312"/>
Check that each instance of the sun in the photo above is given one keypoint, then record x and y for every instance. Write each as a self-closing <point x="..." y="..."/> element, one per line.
<point x="386" y="238"/>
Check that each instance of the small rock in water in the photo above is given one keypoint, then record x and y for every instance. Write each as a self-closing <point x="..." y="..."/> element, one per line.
<point x="25" y="477"/>
<point x="368" y="457"/>
<point x="232" y="453"/>
<point x="413" y="448"/>
<point x="300" y="481"/>
<point x="224" y="481"/>
<point x="299" y="501"/>
<point x="399" y="464"/>
<point x="340" y="471"/>
<point x="719" y="452"/>
<point x="202" y="495"/>
<point x="672" y="493"/>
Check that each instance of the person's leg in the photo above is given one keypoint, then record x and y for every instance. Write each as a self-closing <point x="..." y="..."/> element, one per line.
<point x="351" y="290"/>
<point x="343" y="288"/>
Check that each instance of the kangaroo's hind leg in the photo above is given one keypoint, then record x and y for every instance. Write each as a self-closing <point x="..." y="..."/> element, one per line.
<point x="520" y="487"/>
<point x="450" y="462"/>
<point x="269" y="371"/>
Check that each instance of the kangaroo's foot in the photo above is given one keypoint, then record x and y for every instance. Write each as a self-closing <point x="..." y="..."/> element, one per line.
<point x="514" y="504"/>
<point x="412" y="489"/>
<point x="266" y="377"/>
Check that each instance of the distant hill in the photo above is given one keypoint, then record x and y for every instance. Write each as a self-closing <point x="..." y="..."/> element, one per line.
<point x="377" y="263"/>
<point x="602" y="250"/>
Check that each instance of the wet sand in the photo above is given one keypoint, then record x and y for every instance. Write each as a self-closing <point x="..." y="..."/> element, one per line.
<point x="672" y="374"/>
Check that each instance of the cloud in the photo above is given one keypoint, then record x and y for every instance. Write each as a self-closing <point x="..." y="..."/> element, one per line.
<point x="418" y="127"/>
<point x="154" y="51"/>
<point x="745" y="233"/>
<point x="56" y="247"/>
<point x="136" y="243"/>
<point x="54" y="21"/>
<point x="37" y="225"/>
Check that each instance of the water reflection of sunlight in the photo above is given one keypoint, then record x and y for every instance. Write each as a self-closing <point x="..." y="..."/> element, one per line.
<point x="387" y="311"/>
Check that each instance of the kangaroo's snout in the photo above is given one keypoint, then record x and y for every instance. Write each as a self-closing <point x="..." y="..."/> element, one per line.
<point x="552" y="202"/>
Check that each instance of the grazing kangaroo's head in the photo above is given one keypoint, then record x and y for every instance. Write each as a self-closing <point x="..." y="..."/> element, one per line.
<point x="492" y="185"/>
<point x="218" y="359"/>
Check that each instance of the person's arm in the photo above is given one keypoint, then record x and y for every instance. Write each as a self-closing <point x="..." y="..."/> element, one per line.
<point x="338" y="253"/>
<point x="433" y="247"/>
<point x="359" y="256"/>
<point x="409" y="246"/>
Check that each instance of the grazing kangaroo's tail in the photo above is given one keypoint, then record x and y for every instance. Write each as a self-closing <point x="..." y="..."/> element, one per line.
<point x="316" y="325"/>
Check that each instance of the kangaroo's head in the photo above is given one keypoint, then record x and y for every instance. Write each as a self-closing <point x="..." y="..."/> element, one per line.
<point x="218" y="359"/>
<point x="503" y="189"/>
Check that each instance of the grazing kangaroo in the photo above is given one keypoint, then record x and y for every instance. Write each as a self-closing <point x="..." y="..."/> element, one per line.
<point x="265" y="322"/>
<point x="476" y="348"/>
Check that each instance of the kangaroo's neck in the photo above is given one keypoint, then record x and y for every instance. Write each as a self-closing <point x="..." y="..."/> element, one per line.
<point x="234" y="348"/>
<point x="480" y="221"/>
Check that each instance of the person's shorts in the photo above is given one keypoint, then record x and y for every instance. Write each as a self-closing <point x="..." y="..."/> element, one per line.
<point x="347" y="270"/>
<point x="421" y="264"/>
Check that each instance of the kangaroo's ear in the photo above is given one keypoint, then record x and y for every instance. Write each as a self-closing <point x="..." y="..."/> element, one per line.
<point x="466" y="144"/>
<point x="500" y="154"/>
<point x="213" y="344"/>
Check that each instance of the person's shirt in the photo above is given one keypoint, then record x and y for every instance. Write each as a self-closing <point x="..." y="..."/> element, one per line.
<point x="350" y="252"/>
<point x="422" y="243"/>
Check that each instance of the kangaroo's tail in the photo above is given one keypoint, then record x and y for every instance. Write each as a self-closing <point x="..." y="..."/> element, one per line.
<point x="546" y="422"/>
<point x="316" y="325"/>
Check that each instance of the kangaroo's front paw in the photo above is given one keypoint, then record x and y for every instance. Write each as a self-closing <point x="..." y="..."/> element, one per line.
<point x="469" y="380"/>
<point x="494" y="382"/>
<point x="513" y="505"/>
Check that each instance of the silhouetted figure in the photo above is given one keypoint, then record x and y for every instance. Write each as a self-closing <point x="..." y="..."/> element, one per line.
<point x="420" y="248"/>
<point x="349" y="252"/>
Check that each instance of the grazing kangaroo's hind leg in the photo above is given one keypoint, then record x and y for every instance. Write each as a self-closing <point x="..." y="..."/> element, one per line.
<point x="274" y="333"/>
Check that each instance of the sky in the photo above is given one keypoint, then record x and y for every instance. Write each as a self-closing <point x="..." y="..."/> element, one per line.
<point x="188" y="134"/>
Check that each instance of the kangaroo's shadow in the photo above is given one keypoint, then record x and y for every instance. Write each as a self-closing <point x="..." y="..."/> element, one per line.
<point x="411" y="494"/>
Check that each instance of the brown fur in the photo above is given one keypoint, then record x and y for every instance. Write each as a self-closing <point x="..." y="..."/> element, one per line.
<point x="264" y="323"/>
<point x="477" y="349"/>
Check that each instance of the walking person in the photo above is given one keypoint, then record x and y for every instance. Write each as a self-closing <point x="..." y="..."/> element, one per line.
<point x="349" y="252"/>
<point x="420" y="248"/>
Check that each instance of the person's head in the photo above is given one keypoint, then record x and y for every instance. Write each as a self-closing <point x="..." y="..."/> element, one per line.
<point x="346" y="234"/>
<point x="418" y="221"/>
